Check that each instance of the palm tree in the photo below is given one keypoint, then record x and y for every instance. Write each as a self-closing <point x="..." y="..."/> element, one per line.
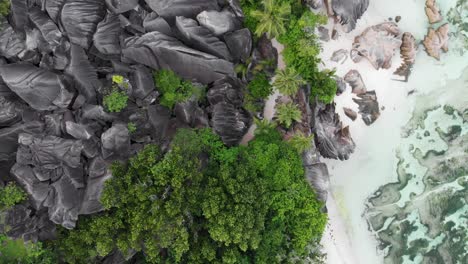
<point x="288" y="81"/>
<point x="271" y="19"/>
<point x="301" y="142"/>
<point x="287" y="113"/>
<point x="264" y="126"/>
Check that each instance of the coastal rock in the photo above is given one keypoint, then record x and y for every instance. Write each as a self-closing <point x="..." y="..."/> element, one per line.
<point x="408" y="51"/>
<point x="240" y="44"/>
<point x="230" y="123"/>
<point x="347" y="12"/>
<point x="19" y="14"/>
<point x="185" y="8"/>
<point x="377" y="44"/>
<point x="160" y="51"/>
<point x="341" y="85"/>
<point x="433" y="12"/>
<point x="201" y="38"/>
<point x="159" y="117"/>
<point x="350" y="113"/>
<point x="331" y="138"/>
<point x="153" y="22"/>
<point x="12" y="45"/>
<point x="315" y="4"/>
<point x="83" y="73"/>
<point x="41" y="89"/>
<point x="115" y="141"/>
<point x="340" y="55"/>
<point x="80" y="18"/>
<point x="263" y="52"/>
<point x="78" y="131"/>
<point x="11" y="111"/>
<point x="53" y="8"/>
<point x="219" y="23"/>
<point x="368" y="107"/>
<point x="354" y="79"/>
<point x="236" y="8"/>
<point x="142" y="82"/>
<point x="437" y="40"/>
<point x="318" y="177"/>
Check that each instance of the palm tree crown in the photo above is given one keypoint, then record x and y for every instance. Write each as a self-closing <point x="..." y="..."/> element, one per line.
<point x="287" y="113"/>
<point x="271" y="18"/>
<point x="288" y="81"/>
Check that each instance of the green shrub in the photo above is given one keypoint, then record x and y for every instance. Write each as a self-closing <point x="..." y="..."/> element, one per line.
<point x="324" y="87"/>
<point x="260" y="87"/>
<point x="204" y="203"/>
<point x="173" y="88"/>
<point x="301" y="142"/>
<point x="10" y="195"/>
<point x="116" y="101"/>
<point x="287" y="113"/>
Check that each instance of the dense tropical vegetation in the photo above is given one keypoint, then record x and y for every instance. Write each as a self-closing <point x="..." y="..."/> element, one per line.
<point x="288" y="113"/>
<point x="10" y="195"/>
<point x="173" y="88"/>
<point x="204" y="203"/>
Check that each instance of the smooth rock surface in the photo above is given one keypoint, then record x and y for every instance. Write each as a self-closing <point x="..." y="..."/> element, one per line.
<point x="437" y="40"/>
<point x="368" y="107"/>
<point x="354" y="79"/>
<point x="348" y="12"/>
<point x="219" y="22"/>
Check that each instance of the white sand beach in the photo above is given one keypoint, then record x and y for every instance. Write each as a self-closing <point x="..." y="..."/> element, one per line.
<point x="347" y="239"/>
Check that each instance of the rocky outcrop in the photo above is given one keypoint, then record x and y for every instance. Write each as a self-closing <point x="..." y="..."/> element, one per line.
<point x="80" y="18"/>
<point x="219" y="23"/>
<point x="121" y="6"/>
<point x="368" y="107"/>
<point x="341" y="85"/>
<point x="46" y="26"/>
<point x="240" y="44"/>
<point x="408" y="51"/>
<point x="201" y="38"/>
<point x="377" y="44"/>
<point x="264" y="56"/>
<point x="347" y="12"/>
<point x="185" y="8"/>
<point x="107" y="36"/>
<point x="331" y="138"/>
<point x="354" y="79"/>
<point x="41" y="89"/>
<point x="115" y="141"/>
<point x="316" y="173"/>
<point x="229" y="120"/>
<point x="433" y="12"/>
<point x="350" y="113"/>
<point x="160" y="51"/>
<point x="437" y="40"/>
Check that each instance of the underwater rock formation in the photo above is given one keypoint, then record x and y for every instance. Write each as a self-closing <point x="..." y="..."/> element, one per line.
<point x="377" y="44"/>
<point x="437" y="40"/>
<point x="423" y="215"/>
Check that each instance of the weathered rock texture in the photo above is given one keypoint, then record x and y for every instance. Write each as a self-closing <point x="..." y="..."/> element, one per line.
<point x="354" y="79"/>
<point x="347" y="12"/>
<point x="437" y="40"/>
<point x="433" y="12"/>
<point x="368" y="107"/>
<point x="408" y="51"/>
<point x="377" y="44"/>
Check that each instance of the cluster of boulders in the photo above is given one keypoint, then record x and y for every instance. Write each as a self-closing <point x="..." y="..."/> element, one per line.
<point x="57" y="61"/>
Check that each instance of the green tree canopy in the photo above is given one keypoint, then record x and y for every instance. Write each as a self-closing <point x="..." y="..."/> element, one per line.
<point x="272" y="19"/>
<point x="204" y="203"/>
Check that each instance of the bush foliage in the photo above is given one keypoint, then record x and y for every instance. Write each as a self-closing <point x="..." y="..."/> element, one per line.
<point x="204" y="203"/>
<point x="116" y="101"/>
<point x="173" y="88"/>
<point x="288" y="113"/>
<point x="10" y="195"/>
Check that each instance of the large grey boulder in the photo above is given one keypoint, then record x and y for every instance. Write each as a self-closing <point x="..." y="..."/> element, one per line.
<point x="186" y="8"/>
<point x="19" y="14"/>
<point x="9" y="138"/>
<point x="41" y="89"/>
<point x="239" y="43"/>
<point x="46" y="26"/>
<point x="107" y="36"/>
<point x="11" y="111"/>
<point x="219" y="23"/>
<point x="153" y="22"/>
<point x="201" y="38"/>
<point x="83" y="73"/>
<point x="12" y="45"/>
<point x="226" y="90"/>
<point x="368" y="107"/>
<point x="160" y="51"/>
<point x="98" y="173"/>
<point x="115" y="141"/>
<point x="142" y="82"/>
<point x="316" y="173"/>
<point x="349" y="11"/>
<point x="80" y="18"/>
<point x="236" y="8"/>
<point x="78" y="131"/>
<point x="377" y="44"/>
<point x="230" y="123"/>
<point x="331" y="138"/>
<point x="159" y="117"/>
<point x="53" y="8"/>
<point x="354" y="79"/>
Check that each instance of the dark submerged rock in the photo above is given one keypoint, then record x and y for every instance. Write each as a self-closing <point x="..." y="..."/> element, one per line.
<point x="368" y="107"/>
